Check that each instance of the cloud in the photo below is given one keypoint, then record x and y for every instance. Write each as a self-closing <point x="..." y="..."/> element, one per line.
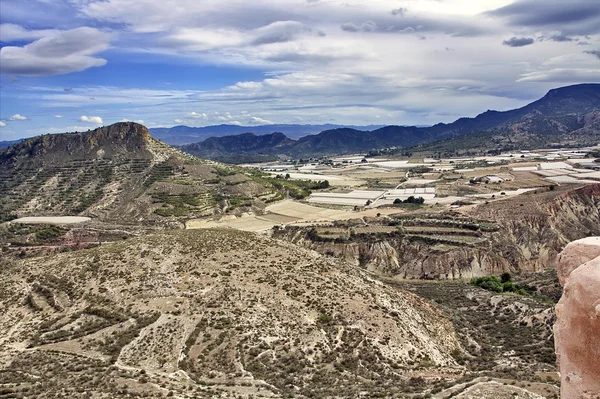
<point x="58" y="116"/>
<point x="561" y="38"/>
<point x="195" y="115"/>
<point x="593" y="52"/>
<point x="57" y="53"/>
<point x="562" y="75"/>
<point x="464" y="27"/>
<point x="280" y="32"/>
<point x="12" y="33"/>
<point x="2" y="124"/>
<point x="399" y="11"/>
<point x="518" y="41"/>
<point x="575" y="17"/>
<point x="139" y="121"/>
<point x="91" y="119"/>
<point x="320" y="61"/>
<point x="258" y="120"/>
<point x="18" y="117"/>
<point x="224" y="39"/>
<point x="368" y="26"/>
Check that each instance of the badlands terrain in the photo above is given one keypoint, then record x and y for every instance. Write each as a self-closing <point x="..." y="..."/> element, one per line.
<point x="132" y="269"/>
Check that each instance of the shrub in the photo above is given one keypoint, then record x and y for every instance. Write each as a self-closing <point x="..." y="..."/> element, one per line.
<point x="492" y="283"/>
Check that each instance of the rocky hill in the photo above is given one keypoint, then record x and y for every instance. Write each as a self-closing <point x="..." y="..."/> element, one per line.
<point x="519" y="235"/>
<point x="184" y="312"/>
<point x="568" y="115"/>
<point x="120" y="173"/>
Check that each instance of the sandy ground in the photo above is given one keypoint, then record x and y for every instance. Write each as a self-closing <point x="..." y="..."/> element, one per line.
<point x="507" y="193"/>
<point x="287" y="212"/>
<point x="52" y="220"/>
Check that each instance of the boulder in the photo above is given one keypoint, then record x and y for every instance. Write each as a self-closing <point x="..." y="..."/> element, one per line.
<point x="577" y="329"/>
<point x="575" y="254"/>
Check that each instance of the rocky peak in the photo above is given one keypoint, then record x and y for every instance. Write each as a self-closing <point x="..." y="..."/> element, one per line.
<point x="115" y="141"/>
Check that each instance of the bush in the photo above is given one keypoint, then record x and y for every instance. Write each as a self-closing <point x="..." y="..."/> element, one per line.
<point x="508" y="287"/>
<point x="410" y="200"/>
<point x="492" y="283"/>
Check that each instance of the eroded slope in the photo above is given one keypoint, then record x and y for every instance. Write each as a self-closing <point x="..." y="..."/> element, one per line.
<point x="206" y="311"/>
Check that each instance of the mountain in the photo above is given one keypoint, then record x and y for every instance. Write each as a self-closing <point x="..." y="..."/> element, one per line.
<point x="568" y="115"/>
<point x="558" y="109"/>
<point x="120" y="173"/>
<point x="214" y="313"/>
<point x="6" y="144"/>
<point x="258" y="148"/>
<point x="179" y="135"/>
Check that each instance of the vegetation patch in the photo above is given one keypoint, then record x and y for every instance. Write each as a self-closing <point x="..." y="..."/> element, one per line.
<point x="502" y="284"/>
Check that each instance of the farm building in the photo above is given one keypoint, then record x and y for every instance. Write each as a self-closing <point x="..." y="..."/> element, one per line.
<point x="402" y="194"/>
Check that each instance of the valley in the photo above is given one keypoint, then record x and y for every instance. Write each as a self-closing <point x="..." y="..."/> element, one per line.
<point x="137" y="270"/>
<point x="299" y="199"/>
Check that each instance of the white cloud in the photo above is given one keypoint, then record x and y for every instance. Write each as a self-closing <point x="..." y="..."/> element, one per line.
<point x="196" y="115"/>
<point x="260" y="121"/>
<point x="91" y="119"/>
<point x="56" y="53"/>
<point x="313" y="70"/>
<point x="2" y="124"/>
<point x="58" y="116"/>
<point x="12" y="33"/>
<point x="18" y="117"/>
<point x="140" y="121"/>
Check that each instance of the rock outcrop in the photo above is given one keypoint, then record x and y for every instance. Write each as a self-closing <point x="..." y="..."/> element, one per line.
<point x="577" y="330"/>
<point x="576" y="254"/>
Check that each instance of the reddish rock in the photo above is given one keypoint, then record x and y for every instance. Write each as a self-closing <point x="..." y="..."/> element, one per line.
<point x="575" y="254"/>
<point x="577" y="330"/>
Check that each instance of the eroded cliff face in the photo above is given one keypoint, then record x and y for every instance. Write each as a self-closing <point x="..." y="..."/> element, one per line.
<point x="531" y="231"/>
<point x="577" y="327"/>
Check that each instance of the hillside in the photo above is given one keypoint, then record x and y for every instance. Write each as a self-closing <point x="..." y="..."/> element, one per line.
<point x="182" y="312"/>
<point x="521" y="235"/>
<point x="120" y="173"/>
<point x="566" y="116"/>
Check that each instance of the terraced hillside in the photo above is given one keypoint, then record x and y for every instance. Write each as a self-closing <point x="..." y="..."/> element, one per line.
<point x="120" y="173"/>
<point x="183" y="313"/>
<point x="523" y="234"/>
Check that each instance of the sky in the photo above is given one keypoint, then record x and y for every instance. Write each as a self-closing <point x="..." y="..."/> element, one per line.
<point x="73" y="65"/>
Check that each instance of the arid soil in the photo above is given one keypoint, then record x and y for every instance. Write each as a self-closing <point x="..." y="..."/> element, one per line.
<point x="210" y="312"/>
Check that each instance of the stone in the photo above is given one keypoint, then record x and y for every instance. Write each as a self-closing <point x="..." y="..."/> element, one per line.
<point x="577" y="329"/>
<point x="575" y="254"/>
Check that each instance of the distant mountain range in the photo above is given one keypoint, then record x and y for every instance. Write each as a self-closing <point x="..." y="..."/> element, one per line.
<point x="6" y="144"/>
<point x="567" y="115"/>
<point x="178" y="135"/>
<point x="564" y="116"/>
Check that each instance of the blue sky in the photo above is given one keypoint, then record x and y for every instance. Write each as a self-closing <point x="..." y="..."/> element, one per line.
<point x="69" y="65"/>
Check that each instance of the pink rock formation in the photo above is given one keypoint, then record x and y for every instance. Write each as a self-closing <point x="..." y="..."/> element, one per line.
<point x="575" y="254"/>
<point x="577" y="329"/>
